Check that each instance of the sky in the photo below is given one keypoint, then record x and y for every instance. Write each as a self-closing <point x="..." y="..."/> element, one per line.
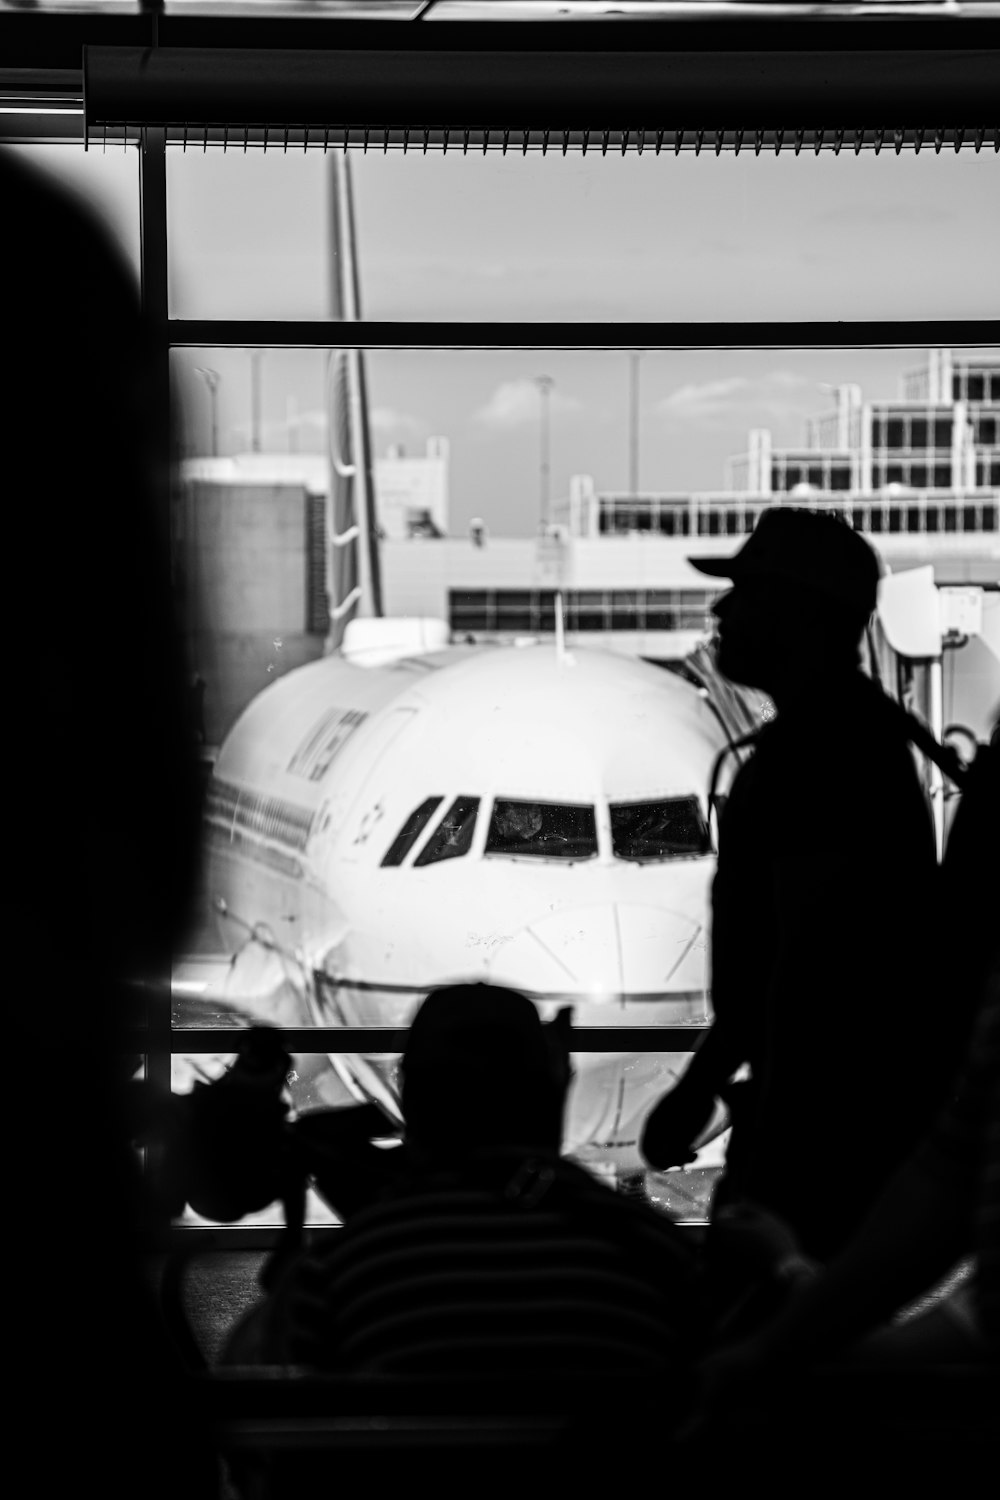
<point x="563" y="238"/>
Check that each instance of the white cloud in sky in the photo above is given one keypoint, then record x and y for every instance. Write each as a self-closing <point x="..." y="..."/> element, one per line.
<point x="386" y="419"/>
<point x="772" y="395"/>
<point x="517" y="403"/>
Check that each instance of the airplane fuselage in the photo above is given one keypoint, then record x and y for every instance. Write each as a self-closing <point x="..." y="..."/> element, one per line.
<point x="508" y="814"/>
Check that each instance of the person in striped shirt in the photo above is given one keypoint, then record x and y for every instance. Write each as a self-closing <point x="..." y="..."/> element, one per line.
<point x="489" y="1253"/>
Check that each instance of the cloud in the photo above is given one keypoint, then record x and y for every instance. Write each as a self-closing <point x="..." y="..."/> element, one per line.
<point x="517" y="403"/>
<point x="386" y="419"/>
<point x="771" y="395"/>
<point x="868" y="214"/>
<point x="314" y="418"/>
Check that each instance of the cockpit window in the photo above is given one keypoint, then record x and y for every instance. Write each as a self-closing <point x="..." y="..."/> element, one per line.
<point x="546" y="830"/>
<point x="411" y="831"/>
<point x="659" y="830"/>
<point x="453" y="835"/>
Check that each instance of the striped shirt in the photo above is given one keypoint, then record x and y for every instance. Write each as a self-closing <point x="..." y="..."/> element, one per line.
<point x="506" y="1266"/>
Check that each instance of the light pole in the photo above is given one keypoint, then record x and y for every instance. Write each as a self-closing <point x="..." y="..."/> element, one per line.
<point x="256" y="356"/>
<point x="212" y="379"/>
<point x="633" y="425"/>
<point x="544" y="384"/>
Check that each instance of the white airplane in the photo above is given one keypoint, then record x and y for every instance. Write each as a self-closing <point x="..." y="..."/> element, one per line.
<point x="519" y="814"/>
<point x="524" y="815"/>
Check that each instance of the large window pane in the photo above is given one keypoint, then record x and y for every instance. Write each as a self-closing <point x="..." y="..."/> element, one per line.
<point x="604" y="238"/>
<point x="459" y="435"/>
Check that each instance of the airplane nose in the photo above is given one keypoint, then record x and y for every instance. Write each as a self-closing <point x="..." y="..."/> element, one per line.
<point x="614" y="962"/>
<point x="608" y="952"/>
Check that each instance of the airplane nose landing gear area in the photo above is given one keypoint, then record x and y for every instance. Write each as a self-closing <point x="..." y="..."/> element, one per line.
<point x="619" y="963"/>
<point x="617" y="954"/>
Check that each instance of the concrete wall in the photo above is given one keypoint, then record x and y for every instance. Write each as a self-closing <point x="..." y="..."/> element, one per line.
<point x="241" y="555"/>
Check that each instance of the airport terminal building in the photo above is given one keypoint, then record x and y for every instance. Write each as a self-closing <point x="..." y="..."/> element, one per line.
<point x="919" y="474"/>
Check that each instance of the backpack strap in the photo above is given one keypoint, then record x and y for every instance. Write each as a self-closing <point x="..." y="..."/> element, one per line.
<point x="733" y="748"/>
<point x="945" y="757"/>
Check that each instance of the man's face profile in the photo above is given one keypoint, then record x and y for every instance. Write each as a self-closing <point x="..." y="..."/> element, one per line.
<point x="754" y="619"/>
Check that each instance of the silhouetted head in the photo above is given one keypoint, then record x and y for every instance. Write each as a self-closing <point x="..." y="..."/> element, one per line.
<point x="804" y="588"/>
<point x="481" y="1069"/>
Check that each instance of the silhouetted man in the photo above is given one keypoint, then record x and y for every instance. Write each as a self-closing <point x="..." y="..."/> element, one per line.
<point x="824" y="938"/>
<point x="488" y="1254"/>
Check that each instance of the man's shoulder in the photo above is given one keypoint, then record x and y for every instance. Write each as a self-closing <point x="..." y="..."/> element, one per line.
<point x="857" y="728"/>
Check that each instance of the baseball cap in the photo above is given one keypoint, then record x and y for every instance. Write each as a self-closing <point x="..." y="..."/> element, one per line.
<point x="485" y="1026"/>
<point x="812" y="548"/>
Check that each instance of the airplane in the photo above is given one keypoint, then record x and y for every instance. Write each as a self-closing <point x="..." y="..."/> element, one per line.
<point x="524" y="815"/>
<point x="404" y="813"/>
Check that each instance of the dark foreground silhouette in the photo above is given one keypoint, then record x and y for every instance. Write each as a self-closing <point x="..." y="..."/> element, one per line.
<point x="101" y="818"/>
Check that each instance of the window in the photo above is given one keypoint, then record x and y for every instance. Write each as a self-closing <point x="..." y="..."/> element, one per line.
<point x="675" y="520"/>
<point x="470" y="610"/>
<point x="587" y="607"/>
<point x="671" y="829"/>
<point x="515" y="610"/>
<point x="453" y="836"/>
<point x="411" y="831"/>
<point x="227" y="263"/>
<point x="661" y="612"/>
<point x="542" y="830"/>
<point x="625" y="610"/>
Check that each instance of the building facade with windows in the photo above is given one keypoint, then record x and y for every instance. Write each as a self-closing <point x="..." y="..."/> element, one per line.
<point x="619" y="561"/>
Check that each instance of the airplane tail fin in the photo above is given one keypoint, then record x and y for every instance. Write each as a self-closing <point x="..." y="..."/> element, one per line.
<point x="354" y="579"/>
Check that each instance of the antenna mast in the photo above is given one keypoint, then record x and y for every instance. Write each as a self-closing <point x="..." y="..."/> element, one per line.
<point x="353" y="573"/>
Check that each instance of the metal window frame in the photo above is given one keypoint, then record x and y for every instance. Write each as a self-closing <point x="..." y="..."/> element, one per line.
<point x="233" y="333"/>
<point x="42" y="58"/>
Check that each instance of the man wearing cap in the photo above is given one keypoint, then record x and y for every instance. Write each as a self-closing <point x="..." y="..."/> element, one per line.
<point x="824" y="971"/>
<point x="486" y="1252"/>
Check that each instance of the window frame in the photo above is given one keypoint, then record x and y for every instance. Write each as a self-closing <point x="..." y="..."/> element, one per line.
<point x="54" y="41"/>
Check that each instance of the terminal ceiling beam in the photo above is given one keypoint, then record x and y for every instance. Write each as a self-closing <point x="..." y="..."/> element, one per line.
<point x="44" y="39"/>
<point x="417" y="98"/>
<point x="917" y="334"/>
